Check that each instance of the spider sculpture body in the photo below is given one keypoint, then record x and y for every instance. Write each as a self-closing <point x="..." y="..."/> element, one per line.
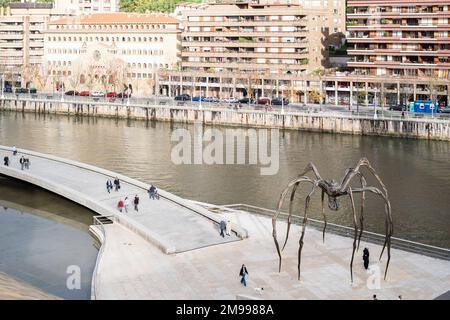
<point x="334" y="191"/>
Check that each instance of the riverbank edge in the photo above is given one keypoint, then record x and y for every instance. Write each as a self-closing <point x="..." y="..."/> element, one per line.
<point x="414" y="128"/>
<point x="12" y="288"/>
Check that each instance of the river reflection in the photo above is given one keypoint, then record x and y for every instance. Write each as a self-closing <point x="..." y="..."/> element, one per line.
<point x="416" y="173"/>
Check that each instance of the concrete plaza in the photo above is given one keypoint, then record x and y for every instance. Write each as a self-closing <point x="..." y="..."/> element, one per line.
<point x="131" y="269"/>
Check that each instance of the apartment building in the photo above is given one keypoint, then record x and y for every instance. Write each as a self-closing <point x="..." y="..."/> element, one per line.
<point x="105" y="51"/>
<point x="326" y="30"/>
<point x="399" y="37"/>
<point x="245" y="36"/>
<point x="77" y="7"/>
<point x="22" y="40"/>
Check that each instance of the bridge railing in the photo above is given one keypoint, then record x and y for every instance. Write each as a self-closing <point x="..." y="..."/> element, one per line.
<point x="99" y="221"/>
<point x="398" y="243"/>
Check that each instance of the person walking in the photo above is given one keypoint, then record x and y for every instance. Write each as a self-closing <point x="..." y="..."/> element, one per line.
<point x="120" y="205"/>
<point x="222" y="228"/>
<point x="6" y="161"/>
<point x="22" y="160"/>
<point x="375" y="297"/>
<point x="152" y="192"/>
<point x="14" y="150"/>
<point x="244" y="275"/>
<point x="117" y="184"/>
<point x="136" y="202"/>
<point x="228" y="228"/>
<point x="126" y="204"/>
<point x="109" y="185"/>
<point x="366" y="258"/>
<point x="27" y="163"/>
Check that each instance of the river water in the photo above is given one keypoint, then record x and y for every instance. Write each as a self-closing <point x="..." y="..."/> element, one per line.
<point x="416" y="172"/>
<point x="44" y="240"/>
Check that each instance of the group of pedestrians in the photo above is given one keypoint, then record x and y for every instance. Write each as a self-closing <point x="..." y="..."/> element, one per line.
<point x="24" y="162"/>
<point x="124" y="205"/>
<point x="225" y="226"/>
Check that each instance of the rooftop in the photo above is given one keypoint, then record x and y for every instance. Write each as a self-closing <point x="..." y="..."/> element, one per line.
<point x="117" y="18"/>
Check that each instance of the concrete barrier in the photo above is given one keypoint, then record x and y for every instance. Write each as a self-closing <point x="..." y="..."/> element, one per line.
<point x="422" y="128"/>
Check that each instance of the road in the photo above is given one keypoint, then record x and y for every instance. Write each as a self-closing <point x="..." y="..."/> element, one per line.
<point x="292" y="107"/>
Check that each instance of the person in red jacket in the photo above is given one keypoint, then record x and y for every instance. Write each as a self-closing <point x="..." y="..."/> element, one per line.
<point x="120" y="205"/>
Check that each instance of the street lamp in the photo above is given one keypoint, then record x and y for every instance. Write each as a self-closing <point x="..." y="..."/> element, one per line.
<point x="375" y="105"/>
<point x="282" y="100"/>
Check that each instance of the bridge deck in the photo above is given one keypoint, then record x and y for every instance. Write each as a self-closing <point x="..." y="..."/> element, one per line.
<point x="175" y="227"/>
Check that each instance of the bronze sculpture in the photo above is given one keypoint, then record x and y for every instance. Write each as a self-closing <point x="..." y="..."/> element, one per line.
<point x="334" y="191"/>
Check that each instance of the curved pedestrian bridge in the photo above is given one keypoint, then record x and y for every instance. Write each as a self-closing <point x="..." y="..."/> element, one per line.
<point x="171" y="223"/>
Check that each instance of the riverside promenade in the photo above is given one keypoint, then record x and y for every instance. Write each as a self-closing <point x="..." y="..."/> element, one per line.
<point x="411" y="126"/>
<point x="131" y="269"/>
<point x="134" y="263"/>
<point x="171" y="223"/>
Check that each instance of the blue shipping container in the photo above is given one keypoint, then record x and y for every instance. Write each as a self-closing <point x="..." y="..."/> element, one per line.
<point x="425" y="106"/>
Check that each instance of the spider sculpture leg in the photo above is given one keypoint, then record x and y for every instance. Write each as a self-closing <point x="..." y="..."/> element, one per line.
<point x="305" y="219"/>
<point x="355" y="224"/>
<point x="294" y="183"/>
<point x="389" y="223"/>
<point x="361" y="218"/>
<point x="324" y="217"/>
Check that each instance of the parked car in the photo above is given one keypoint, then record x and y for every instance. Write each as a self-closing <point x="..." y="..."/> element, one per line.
<point x="398" y="107"/>
<point x="231" y="100"/>
<point x="123" y="95"/>
<point x="444" y="109"/>
<point x="197" y="98"/>
<point x="22" y="90"/>
<point x="263" y="101"/>
<point x="280" y="101"/>
<point x="72" y="93"/>
<point x="111" y="94"/>
<point x="84" y="93"/>
<point x="97" y="94"/>
<point x="211" y="99"/>
<point x="246" y="100"/>
<point x="8" y="89"/>
<point x="33" y="90"/>
<point x="183" y="97"/>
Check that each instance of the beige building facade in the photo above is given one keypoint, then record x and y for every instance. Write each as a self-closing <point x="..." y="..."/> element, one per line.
<point x="108" y="51"/>
<point x="22" y="40"/>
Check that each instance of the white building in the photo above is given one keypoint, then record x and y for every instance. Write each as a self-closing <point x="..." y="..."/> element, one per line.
<point x="104" y="52"/>
<point x="86" y="6"/>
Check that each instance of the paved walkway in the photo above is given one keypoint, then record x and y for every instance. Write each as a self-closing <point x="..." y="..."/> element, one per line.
<point x="173" y="224"/>
<point x="131" y="269"/>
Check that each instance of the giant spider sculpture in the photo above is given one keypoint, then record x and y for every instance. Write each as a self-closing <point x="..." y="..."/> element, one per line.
<point x="334" y="191"/>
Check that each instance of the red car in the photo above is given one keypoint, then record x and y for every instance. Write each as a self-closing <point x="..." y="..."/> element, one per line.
<point x="264" y="101"/>
<point x="111" y="95"/>
<point x="84" y="93"/>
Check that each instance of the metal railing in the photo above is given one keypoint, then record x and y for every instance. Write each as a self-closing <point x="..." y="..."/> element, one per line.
<point x="293" y="108"/>
<point x="402" y="244"/>
<point x="99" y="221"/>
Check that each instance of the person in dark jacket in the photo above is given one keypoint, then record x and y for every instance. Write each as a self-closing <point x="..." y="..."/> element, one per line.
<point x="136" y="202"/>
<point x="223" y="226"/>
<point x="22" y="162"/>
<point x="366" y="258"/>
<point x="244" y="275"/>
<point x="117" y="184"/>
<point x="6" y="161"/>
